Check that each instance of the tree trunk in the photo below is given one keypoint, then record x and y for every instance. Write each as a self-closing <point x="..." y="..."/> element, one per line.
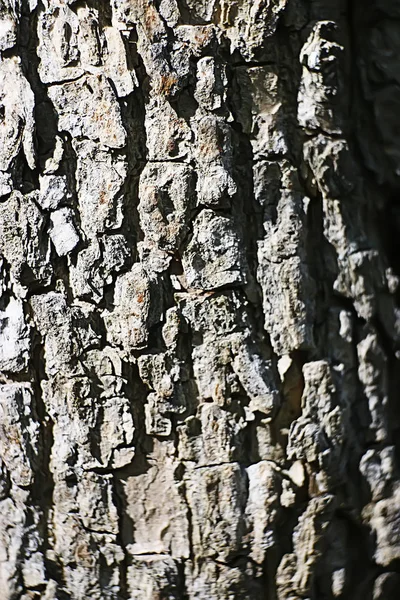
<point x="200" y="241"/>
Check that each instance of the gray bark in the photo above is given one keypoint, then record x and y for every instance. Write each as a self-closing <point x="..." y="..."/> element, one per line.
<point x="199" y="269"/>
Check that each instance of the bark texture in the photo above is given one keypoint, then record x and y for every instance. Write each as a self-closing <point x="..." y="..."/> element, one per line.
<point x="199" y="261"/>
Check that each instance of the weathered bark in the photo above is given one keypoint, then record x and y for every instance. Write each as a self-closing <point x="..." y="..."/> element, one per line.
<point x="199" y="261"/>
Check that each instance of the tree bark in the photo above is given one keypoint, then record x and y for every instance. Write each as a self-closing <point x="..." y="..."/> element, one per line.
<point x="199" y="269"/>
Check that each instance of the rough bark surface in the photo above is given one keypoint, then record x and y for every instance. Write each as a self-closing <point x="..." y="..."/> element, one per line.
<point x="199" y="269"/>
